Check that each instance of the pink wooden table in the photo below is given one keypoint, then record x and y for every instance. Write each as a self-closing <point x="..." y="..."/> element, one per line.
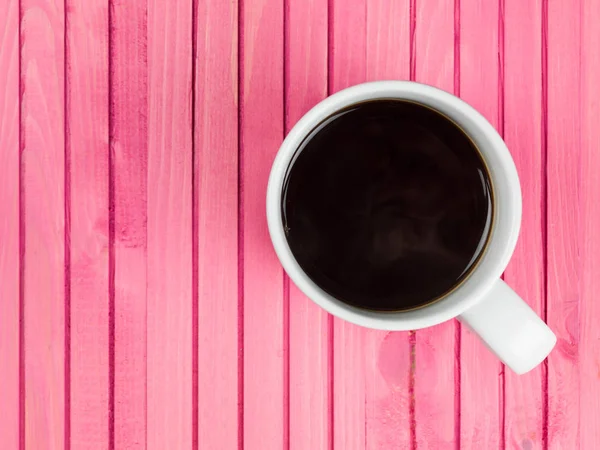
<point x="141" y="304"/>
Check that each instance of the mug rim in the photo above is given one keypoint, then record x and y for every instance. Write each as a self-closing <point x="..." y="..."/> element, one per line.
<point x="507" y="205"/>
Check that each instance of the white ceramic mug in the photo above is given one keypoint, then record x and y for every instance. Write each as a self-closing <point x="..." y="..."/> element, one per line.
<point x="483" y="302"/>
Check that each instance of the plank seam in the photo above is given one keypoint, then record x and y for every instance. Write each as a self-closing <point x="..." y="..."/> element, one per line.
<point x="22" y="218"/>
<point x="330" y="324"/>
<point x="412" y="405"/>
<point x="457" y="48"/>
<point x="413" y="41"/>
<point x="240" y="87"/>
<point x="330" y="381"/>
<point x="457" y="325"/>
<point x="195" y="292"/>
<point x="111" y="237"/>
<point x="544" y="188"/>
<point x="67" y="234"/>
<point x="501" y="67"/>
<point x="286" y="280"/>
<point x="330" y="46"/>
<point x="501" y="62"/>
<point x="146" y="125"/>
<point x="286" y="362"/>
<point x="365" y="16"/>
<point x="457" y="376"/>
<point x="412" y="338"/>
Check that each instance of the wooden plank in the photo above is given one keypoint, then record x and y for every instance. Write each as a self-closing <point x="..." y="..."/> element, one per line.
<point x="309" y="326"/>
<point x="436" y="357"/>
<point x="347" y="66"/>
<point x="216" y="225"/>
<point x="562" y="37"/>
<point x="481" y="379"/>
<point x="88" y="150"/>
<point x="10" y="308"/>
<point x="388" y="40"/>
<point x="129" y="155"/>
<point x="524" y="395"/>
<point x="261" y="115"/>
<point x="43" y="181"/>
<point x="169" y="265"/>
<point x="389" y="422"/>
<point x="388" y="355"/>
<point x="589" y="409"/>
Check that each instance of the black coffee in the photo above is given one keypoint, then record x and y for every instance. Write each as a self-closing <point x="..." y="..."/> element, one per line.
<point x="387" y="205"/>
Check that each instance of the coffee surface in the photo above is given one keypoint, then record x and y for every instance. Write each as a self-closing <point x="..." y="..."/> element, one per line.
<point x="387" y="205"/>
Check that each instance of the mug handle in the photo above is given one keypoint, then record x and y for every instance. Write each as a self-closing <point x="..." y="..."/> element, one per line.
<point x="510" y="328"/>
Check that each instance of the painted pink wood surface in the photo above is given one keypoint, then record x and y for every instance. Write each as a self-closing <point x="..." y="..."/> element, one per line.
<point x="169" y="399"/>
<point x="265" y="392"/>
<point x="565" y="240"/>
<point x="87" y="152"/>
<point x="10" y="231"/>
<point x="44" y="264"/>
<point x="141" y="303"/>
<point x="589" y="234"/>
<point x="218" y="322"/>
<point x="128" y="105"/>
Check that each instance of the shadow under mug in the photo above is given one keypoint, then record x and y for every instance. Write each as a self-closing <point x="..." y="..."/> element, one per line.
<point x="483" y="302"/>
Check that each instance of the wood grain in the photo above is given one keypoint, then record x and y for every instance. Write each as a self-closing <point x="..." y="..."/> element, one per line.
<point x="169" y="265"/>
<point x="129" y="162"/>
<point x="387" y="370"/>
<point x="43" y="182"/>
<point x="589" y="409"/>
<point x="87" y="150"/>
<point x="481" y="374"/>
<point x="522" y="57"/>
<point x="262" y="129"/>
<point x="216" y="226"/>
<point x="388" y="40"/>
<point x="436" y="356"/>
<point x="387" y="364"/>
<point x="347" y="66"/>
<point x="562" y="35"/>
<point x="141" y="303"/>
<point x="10" y="307"/>
<point x="310" y="382"/>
